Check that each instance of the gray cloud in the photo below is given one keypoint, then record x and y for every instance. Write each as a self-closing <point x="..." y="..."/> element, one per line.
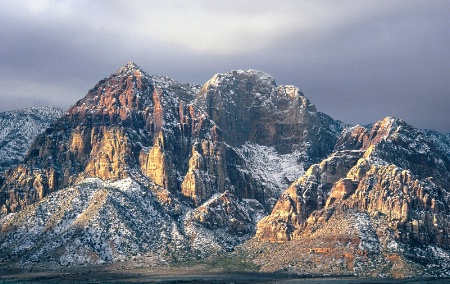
<point x="357" y="61"/>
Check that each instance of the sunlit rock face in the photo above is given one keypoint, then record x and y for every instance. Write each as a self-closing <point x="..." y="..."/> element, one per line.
<point x="184" y="138"/>
<point x="306" y="195"/>
<point x="129" y="121"/>
<point x="395" y="175"/>
<point x="379" y="205"/>
<point x="213" y="159"/>
<point x="394" y="141"/>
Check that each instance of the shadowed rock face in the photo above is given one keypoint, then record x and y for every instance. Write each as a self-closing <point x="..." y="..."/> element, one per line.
<point x="248" y="106"/>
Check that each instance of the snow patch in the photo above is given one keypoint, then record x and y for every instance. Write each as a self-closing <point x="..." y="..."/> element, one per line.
<point x="275" y="171"/>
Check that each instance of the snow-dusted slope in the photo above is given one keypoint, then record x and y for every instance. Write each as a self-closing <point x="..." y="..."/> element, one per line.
<point x="18" y="128"/>
<point x="272" y="170"/>
<point x="91" y="222"/>
<point x="391" y="182"/>
<point x="99" y="221"/>
<point x="441" y="140"/>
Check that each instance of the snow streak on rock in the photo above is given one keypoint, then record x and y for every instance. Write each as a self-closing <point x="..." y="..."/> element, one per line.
<point x="273" y="170"/>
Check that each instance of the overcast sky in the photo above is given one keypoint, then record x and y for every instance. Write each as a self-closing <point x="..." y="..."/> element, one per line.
<point x="357" y="61"/>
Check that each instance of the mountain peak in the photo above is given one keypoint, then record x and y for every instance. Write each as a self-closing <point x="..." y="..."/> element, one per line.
<point x="389" y="125"/>
<point x="392" y="121"/>
<point x="203" y="166"/>
<point x="245" y="75"/>
<point x="130" y="68"/>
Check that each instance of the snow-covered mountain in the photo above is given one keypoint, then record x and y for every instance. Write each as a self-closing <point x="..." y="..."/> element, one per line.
<point x="18" y="129"/>
<point x="147" y="168"/>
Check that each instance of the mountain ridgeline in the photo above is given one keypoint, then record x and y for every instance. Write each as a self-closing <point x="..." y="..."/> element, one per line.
<point x="181" y="137"/>
<point x="146" y="167"/>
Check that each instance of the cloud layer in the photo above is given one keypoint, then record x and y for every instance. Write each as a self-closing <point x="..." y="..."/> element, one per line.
<point x="357" y="61"/>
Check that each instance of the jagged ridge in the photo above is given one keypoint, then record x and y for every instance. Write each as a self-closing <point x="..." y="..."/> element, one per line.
<point x="392" y="174"/>
<point x="210" y="161"/>
<point x="162" y="135"/>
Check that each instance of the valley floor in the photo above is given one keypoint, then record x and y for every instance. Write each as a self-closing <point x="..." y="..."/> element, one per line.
<point x="167" y="274"/>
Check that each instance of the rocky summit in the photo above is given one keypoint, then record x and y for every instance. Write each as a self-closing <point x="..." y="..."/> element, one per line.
<point x="147" y="169"/>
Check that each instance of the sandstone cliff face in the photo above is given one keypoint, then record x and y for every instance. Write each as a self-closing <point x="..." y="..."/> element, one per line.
<point x="123" y="123"/>
<point x="255" y="115"/>
<point x="417" y="210"/>
<point x="184" y="138"/>
<point x="391" y="179"/>
<point x="204" y="165"/>
<point x="381" y="215"/>
<point x="394" y="141"/>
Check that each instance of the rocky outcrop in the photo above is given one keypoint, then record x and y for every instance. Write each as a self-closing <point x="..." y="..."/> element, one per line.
<point x="224" y="211"/>
<point x="253" y="113"/>
<point x="390" y="181"/>
<point x="202" y="166"/>
<point x="417" y="210"/>
<point x="384" y="214"/>
<point x="303" y="197"/>
<point x="396" y="142"/>
<point x="206" y="173"/>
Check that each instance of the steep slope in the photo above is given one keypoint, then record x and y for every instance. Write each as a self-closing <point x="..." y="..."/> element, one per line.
<point x="123" y="123"/>
<point x="441" y="140"/>
<point x="209" y="182"/>
<point x="92" y="222"/>
<point x="147" y="168"/>
<point x="248" y="106"/>
<point x="97" y="221"/>
<point x="399" y="187"/>
<point x="273" y="132"/>
<point x="18" y="129"/>
<point x="132" y="120"/>
<point x="394" y="141"/>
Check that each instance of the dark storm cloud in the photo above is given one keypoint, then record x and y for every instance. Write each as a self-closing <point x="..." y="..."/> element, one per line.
<point x="357" y="61"/>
